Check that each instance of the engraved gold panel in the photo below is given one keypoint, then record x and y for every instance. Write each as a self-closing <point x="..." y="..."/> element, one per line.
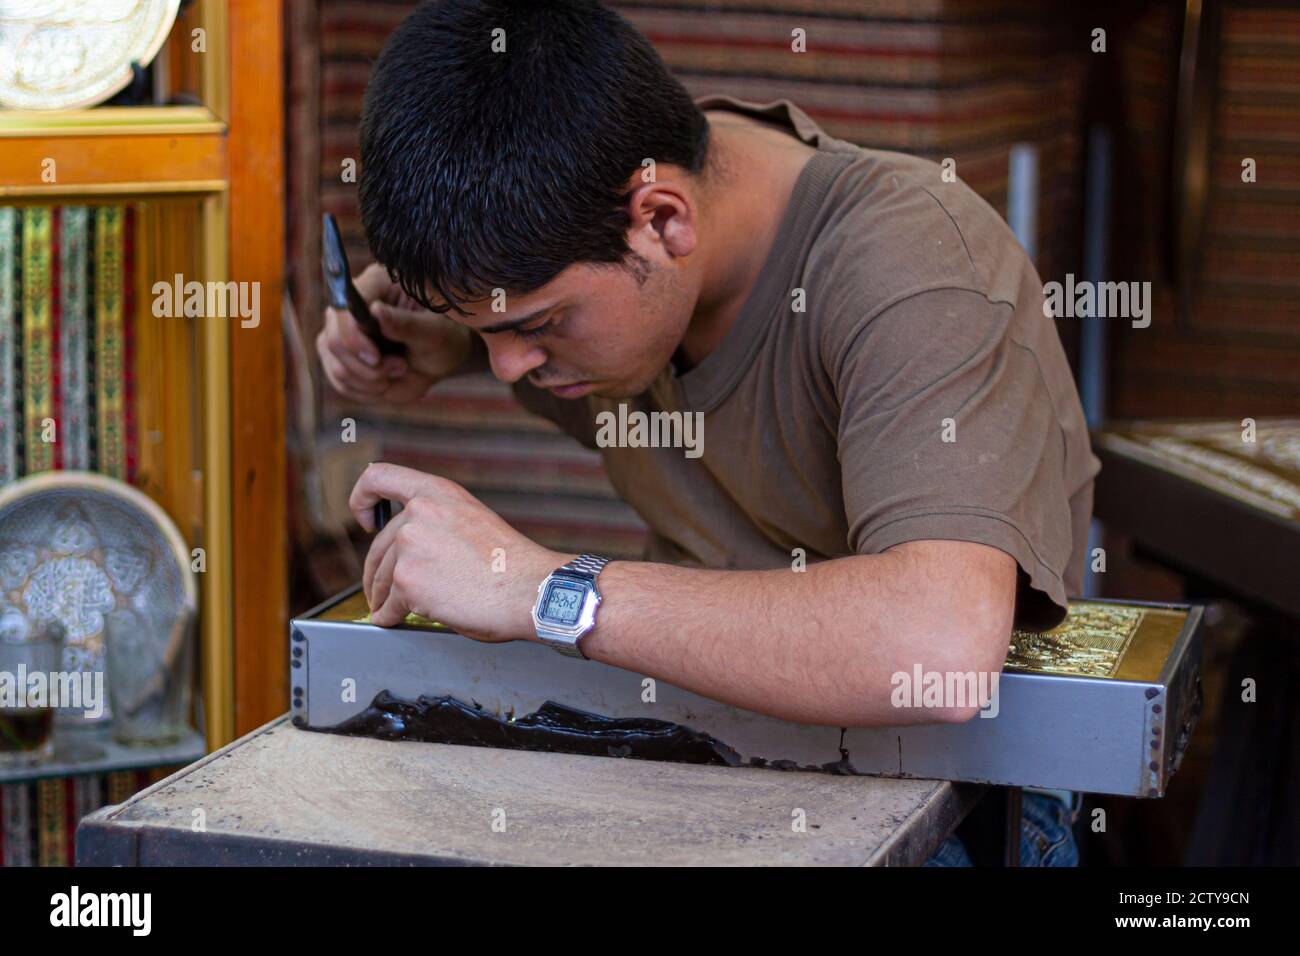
<point x="354" y="610"/>
<point x="1097" y="639"/>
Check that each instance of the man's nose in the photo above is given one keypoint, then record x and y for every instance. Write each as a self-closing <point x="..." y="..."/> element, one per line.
<point x="511" y="361"/>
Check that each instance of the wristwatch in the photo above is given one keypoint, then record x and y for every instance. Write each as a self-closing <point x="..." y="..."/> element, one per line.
<point x="566" y="604"/>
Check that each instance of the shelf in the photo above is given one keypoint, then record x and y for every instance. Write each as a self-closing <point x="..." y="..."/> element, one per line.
<point x="112" y="151"/>
<point x="80" y="752"/>
<point x="110" y="121"/>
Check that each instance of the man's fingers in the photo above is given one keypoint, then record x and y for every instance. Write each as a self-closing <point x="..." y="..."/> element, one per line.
<point x="382" y="548"/>
<point x="384" y="480"/>
<point x="393" y="322"/>
<point x="392" y="612"/>
<point x="381" y="583"/>
<point x="379" y="546"/>
<point x="347" y="340"/>
<point x="345" y="382"/>
<point x="422" y="328"/>
<point x="373" y="283"/>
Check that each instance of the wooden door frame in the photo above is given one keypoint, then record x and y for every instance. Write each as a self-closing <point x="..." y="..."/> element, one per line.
<point x="259" y="519"/>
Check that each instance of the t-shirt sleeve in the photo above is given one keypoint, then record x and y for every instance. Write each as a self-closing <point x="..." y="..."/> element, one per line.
<point x="948" y="431"/>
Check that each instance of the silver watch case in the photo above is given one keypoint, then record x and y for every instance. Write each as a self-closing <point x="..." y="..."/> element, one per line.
<point x="564" y="638"/>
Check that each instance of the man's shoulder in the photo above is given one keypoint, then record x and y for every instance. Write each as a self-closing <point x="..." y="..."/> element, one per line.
<point x="893" y="225"/>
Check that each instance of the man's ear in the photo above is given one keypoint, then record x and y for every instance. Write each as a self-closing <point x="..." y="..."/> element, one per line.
<point x="667" y="211"/>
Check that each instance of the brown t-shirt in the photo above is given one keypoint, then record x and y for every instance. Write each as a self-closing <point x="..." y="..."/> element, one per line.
<point x="824" y="429"/>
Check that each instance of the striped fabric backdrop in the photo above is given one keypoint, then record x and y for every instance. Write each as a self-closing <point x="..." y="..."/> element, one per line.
<point x="1235" y="351"/>
<point x="66" y="358"/>
<point x="940" y="78"/>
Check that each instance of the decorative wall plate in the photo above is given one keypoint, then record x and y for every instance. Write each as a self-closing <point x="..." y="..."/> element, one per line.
<point x="75" y="546"/>
<point x="63" y="54"/>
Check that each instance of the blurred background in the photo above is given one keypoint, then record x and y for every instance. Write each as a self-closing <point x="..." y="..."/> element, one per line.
<point x="1113" y="138"/>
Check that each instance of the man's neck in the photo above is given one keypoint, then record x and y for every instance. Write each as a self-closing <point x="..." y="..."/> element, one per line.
<point x="753" y="176"/>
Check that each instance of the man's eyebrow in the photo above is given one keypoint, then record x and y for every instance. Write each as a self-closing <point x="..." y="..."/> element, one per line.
<point x="515" y="323"/>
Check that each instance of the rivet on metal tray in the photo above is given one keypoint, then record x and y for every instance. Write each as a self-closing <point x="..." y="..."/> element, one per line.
<point x="1154" y="765"/>
<point x="297" y="652"/>
<point x="296" y="663"/>
<point x="297" y="691"/>
<point x="1152" y="692"/>
<point x="299" y="722"/>
<point x="1155" y="708"/>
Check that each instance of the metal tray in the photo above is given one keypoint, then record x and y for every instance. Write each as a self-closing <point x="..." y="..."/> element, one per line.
<point x="1106" y="703"/>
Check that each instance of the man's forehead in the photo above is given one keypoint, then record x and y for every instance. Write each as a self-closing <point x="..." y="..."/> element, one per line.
<point x="505" y="306"/>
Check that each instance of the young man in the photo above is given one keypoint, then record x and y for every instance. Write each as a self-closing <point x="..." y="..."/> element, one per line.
<point x="863" y="345"/>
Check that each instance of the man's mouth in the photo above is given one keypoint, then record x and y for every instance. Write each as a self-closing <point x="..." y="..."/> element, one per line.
<point x="572" y="390"/>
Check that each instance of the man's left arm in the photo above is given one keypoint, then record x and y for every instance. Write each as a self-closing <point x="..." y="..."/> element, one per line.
<point x="818" y="646"/>
<point x="815" y="646"/>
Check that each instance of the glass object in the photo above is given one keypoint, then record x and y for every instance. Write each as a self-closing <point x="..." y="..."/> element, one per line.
<point x="150" y="676"/>
<point x="27" y="705"/>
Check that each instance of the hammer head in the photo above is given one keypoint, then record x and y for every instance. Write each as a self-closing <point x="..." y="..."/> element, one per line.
<point x="343" y="294"/>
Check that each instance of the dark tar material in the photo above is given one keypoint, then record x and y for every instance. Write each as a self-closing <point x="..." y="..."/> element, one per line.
<point x="552" y="728"/>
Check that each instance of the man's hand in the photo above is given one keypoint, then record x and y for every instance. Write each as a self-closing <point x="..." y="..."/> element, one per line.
<point x="436" y="346"/>
<point x="438" y="557"/>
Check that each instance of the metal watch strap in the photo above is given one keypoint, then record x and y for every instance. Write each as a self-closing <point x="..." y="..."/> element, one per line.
<point x="588" y="564"/>
<point x="569" y="650"/>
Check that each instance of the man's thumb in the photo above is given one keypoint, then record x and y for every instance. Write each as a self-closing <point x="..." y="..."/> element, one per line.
<point x="392" y="322"/>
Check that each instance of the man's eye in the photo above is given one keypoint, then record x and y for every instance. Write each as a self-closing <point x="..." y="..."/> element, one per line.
<point x="527" y="334"/>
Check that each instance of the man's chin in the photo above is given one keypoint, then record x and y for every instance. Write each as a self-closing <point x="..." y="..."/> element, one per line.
<point x="619" y="391"/>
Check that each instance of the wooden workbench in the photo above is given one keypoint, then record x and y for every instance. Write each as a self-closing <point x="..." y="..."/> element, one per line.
<point x="284" y="796"/>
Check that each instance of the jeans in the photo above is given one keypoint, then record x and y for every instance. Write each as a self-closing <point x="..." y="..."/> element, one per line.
<point x="1046" y="836"/>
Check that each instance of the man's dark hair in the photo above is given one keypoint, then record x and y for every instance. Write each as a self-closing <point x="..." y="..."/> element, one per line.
<point x="485" y="170"/>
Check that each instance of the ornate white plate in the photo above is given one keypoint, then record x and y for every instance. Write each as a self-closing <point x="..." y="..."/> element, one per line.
<point x="62" y="54"/>
<point x="75" y="546"/>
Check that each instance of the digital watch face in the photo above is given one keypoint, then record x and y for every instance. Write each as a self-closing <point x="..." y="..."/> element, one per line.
<point x="563" y="603"/>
